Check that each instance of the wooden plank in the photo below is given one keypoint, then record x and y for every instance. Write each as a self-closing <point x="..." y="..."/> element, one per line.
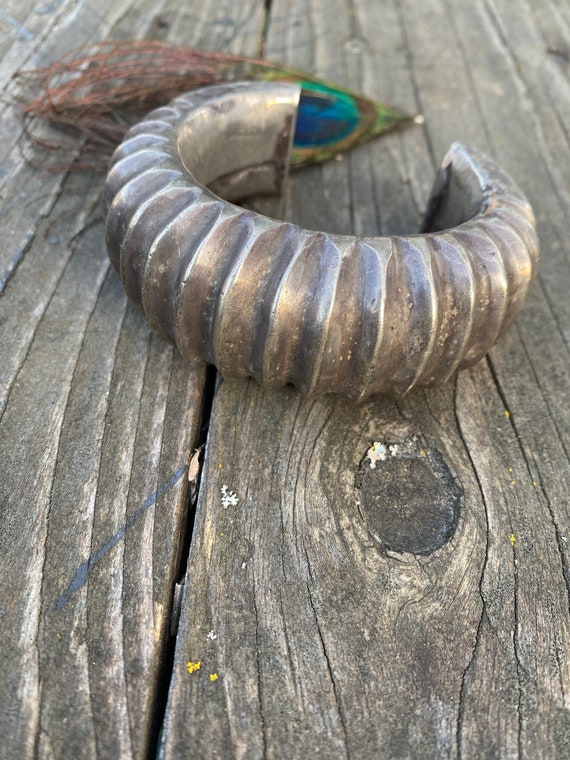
<point x="317" y="623"/>
<point x="98" y="421"/>
<point x="323" y="619"/>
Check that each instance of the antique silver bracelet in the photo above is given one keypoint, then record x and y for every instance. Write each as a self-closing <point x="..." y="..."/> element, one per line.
<point x="264" y="298"/>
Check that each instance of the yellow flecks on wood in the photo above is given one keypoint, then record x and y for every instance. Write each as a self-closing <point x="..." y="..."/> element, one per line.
<point x="507" y="413"/>
<point x="534" y="484"/>
<point x="513" y="482"/>
<point x="423" y="452"/>
<point x="213" y="677"/>
<point x="193" y="666"/>
<point x="513" y="540"/>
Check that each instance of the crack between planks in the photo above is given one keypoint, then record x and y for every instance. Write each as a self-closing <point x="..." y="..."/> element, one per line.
<point x="165" y="672"/>
<point x="153" y="720"/>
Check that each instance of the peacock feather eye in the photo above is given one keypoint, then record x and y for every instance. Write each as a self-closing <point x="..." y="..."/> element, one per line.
<point x="331" y="120"/>
<point x="324" y="117"/>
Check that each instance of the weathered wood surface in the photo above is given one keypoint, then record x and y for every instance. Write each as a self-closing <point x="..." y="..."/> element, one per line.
<point x="341" y="625"/>
<point x="418" y="609"/>
<point x="99" y="420"/>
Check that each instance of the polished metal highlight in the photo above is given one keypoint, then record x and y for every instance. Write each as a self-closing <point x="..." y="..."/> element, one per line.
<point x="263" y="298"/>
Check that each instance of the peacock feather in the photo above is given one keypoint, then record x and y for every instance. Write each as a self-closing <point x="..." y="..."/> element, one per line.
<point x="330" y="119"/>
<point x="102" y="90"/>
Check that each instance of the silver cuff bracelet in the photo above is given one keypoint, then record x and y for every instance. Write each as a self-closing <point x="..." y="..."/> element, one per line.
<point x="263" y="298"/>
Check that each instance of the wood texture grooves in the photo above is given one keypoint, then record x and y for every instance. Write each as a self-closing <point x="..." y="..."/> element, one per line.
<point x="302" y="344"/>
<point x="459" y="654"/>
<point x="326" y="644"/>
<point x="97" y="423"/>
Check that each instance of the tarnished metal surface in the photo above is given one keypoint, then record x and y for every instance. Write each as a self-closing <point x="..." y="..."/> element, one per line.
<point x="328" y="313"/>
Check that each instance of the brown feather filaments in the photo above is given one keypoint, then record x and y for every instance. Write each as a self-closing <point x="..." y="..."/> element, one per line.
<point x="100" y="91"/>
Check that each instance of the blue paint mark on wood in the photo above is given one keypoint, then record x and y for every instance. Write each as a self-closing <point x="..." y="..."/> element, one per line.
<point x="15" y="24"/>
<point x="85" y="568"/>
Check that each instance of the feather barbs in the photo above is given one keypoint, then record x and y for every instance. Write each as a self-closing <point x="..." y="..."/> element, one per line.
<point x="99" y="91"/>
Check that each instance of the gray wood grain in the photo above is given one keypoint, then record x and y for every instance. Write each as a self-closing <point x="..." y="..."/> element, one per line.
<point x="317" y="630"/>
<point x="419" y="608"/>
<point x="97" y="423"/>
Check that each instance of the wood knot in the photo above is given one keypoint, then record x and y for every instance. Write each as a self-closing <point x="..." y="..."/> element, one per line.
<point x="408" y="496"/>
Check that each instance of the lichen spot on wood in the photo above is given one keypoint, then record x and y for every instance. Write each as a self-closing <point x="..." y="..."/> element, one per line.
<point x="408" y="495"/>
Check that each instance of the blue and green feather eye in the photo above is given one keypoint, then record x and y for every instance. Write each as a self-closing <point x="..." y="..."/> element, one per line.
<point x="330" y="119"/>
<point x="325" y="116"/>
